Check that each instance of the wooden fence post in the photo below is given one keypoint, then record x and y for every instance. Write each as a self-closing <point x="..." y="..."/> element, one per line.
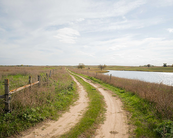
<point x="7" y="99"/>
<point x="30" y="81"/>
<point x="110" y="76"/>
<point x="47" y="78"/>
<point x="50" y="74"/>
<point x="39" y="79"/>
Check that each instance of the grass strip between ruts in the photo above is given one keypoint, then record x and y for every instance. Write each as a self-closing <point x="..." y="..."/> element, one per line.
<point x="92" y="117"/>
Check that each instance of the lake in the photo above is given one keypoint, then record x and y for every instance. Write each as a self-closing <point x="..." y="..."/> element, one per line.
<point x="155" y="77"/>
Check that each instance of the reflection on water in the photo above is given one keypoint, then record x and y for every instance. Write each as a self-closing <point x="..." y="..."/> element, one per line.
<point x="156" y="77"/>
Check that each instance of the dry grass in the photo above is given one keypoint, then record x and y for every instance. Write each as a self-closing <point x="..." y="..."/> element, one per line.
<point x="92" y="69"/>
<point x="160" y="94"/>
<point x="19" y="70"/>
<point x="36" y="96"/>
<point x="31" y="106"/>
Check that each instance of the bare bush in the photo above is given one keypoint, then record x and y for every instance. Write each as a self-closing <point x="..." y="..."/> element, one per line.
<point x="81" y="66"/>
<point x="101" y="66"/>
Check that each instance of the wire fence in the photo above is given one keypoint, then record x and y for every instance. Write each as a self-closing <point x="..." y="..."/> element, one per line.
<point x="8" y="93"/>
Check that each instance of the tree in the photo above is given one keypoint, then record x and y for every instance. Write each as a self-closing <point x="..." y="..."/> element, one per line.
<point x="164" y="64"/>
<point x="148" y="65"/>
<point x="102" y="66"/>
<point x="81" y="66"/>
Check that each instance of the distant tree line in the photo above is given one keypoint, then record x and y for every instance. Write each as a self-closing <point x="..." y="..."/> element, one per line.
<point x="164" y="65"/>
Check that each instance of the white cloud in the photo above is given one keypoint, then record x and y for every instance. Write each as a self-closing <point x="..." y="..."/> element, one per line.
<point x="82" y="53"/>
<point x="122" y="7"/>
<point x="104" y="9"/>
<point x="116" y="47"/>
<point x="162" y="3"/>
<point x="80" y="19"/>
<point x="2" y="30"/>
<point x="85" y="46"/>
<point x="67" y="35"/>
<point x="126" y="31"/>
<point x="170" y="30"/>
<point x="129" y="50"/>
<point x="110" y="24"/>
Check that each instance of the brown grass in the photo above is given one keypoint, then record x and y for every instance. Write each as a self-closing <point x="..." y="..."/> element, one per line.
<point x="4" y="71"/>
<point x="160" y="94"/>
<point x="36" y="96"/>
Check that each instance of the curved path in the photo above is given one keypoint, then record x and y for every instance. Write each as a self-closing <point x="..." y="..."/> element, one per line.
<point x="64" y="123"/>
<point x="115" y="124"/>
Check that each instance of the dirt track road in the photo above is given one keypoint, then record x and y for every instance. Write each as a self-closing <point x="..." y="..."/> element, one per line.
<point x="115" y="125"/>
<point x="68" y="119"/>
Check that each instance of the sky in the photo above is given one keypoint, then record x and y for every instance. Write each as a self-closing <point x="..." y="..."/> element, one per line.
<point x="92" y="32"/>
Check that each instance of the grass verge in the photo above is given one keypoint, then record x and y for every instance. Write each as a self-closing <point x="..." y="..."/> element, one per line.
<point x="147" y="121"/>
<point x="92" y="117"/>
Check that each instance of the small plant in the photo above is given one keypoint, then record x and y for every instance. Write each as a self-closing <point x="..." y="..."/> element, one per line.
<point x="165" y="129"/>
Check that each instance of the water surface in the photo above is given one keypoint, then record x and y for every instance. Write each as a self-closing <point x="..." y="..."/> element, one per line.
<point x="154" y="77"/>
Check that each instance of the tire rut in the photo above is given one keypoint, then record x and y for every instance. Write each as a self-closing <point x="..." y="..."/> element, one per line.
<point x="115" y="124"/>
<point x="66" y="121"/>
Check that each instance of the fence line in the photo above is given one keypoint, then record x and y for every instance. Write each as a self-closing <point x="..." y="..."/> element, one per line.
<point x="2" y="96"/>
<point x="23" y="87"/>
<point x="7" y="94"/>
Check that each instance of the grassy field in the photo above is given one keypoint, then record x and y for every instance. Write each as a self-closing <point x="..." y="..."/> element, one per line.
<point x="150" y="104"/>
<point x="18" y="76"/>
<point x="128" y="68"/>
<point x="32" y="106"/>
<point x="135" y="68"/>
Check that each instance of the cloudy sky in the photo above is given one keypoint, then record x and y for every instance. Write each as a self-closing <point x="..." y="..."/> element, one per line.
<point x="69" y="32"/>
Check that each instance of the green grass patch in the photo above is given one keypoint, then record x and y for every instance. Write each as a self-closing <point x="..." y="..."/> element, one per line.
<point x="102" y="71"/>
<point x="15" y="81"/>
<point x="147" y="121"/>
<point x="93" y="116"/>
